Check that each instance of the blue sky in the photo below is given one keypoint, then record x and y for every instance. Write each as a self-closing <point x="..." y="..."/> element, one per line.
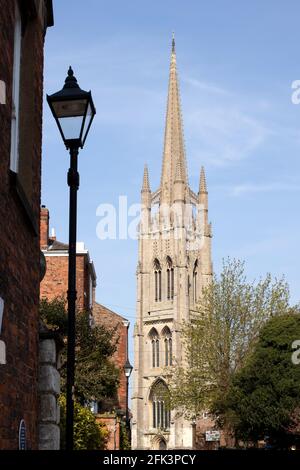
<point x="236" y="61"/>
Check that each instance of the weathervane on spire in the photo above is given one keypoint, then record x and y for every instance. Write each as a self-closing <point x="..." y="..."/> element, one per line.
<point x="173" y="42"/>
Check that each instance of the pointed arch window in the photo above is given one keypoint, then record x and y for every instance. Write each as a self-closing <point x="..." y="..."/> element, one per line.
<point x="157" y="280"/>
<point x="195" y="281"/>
<point x="170" y="279"/>
<point x="167" y="335"/>
<point x="154" y="347"/>
<point x="159" y="398"/>
<point x="162" y="445"/>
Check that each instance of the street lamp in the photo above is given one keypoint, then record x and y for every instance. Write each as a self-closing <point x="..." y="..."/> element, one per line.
<point x="74" y="111"/>
<point x="127" y="370"/>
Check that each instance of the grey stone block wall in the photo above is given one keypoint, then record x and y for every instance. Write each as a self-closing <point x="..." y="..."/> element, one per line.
<point x="49" y="389"/>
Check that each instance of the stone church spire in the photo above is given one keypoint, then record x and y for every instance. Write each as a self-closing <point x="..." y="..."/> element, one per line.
<point x="174" y="141"/>
<point x="202" y="186"/>
<point x="146" y="184"/>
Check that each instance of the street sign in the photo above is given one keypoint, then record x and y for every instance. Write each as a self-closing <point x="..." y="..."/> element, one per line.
<point x="212" y="436"/>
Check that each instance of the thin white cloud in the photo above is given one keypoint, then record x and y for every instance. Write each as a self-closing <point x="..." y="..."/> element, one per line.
<point x="205" y="86"/>
<point x="248" y="188"/>
<point x="258" y="247"/>
<point x="223" y="134"/>
<point x="221" y="127"/>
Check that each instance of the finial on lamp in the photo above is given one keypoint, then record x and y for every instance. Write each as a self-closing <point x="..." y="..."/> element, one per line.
<point x="71" y="81"/>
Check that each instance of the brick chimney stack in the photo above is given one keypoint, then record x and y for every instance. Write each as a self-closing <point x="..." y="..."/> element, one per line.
<point x="44" y="228"/>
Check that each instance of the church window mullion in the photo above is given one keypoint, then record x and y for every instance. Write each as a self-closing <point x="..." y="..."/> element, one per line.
<point x="158" y="414"/>
<point x="166" y="351"/>
<point x="168" y="284"/>
<point x="159" y="285"/>
<point x="195" y="293"/>
<point x="163" y="414"/>
<point x="153" y="352"/>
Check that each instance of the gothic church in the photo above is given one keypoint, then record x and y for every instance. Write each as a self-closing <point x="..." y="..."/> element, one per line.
<point x="174" y="263"/>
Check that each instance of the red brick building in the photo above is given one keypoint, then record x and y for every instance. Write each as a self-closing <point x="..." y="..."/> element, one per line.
<point x="55" y="282"/>
<point x="104" y="316"/>
<point x="113" y="411"/>
<point x="23" y="25"/>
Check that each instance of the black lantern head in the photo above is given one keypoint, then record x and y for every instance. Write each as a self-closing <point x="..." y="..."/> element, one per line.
<point x="128" y="368"/>
<point x="73" y="110"/>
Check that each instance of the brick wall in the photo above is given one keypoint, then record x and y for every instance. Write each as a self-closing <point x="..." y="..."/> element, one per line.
<point x="104" y="316"/>
<point x="19" y="240"/>
<point x="112" y="423"/>
<point x="55" y="282"/>
<point x="44" y="228"/>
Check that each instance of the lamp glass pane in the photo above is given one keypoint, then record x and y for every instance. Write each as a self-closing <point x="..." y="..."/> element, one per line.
<point x="128" y="369"/>
<point x="71" y="127"/>
<point x="89" y="116"/>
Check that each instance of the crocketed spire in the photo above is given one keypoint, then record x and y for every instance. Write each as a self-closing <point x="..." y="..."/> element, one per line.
<point x="146" y="184"/>
<point x="174" y="141"/>
<point x="202" y="185"/>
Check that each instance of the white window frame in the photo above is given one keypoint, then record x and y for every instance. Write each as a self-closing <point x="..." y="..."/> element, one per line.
<point x="14" y="150"/>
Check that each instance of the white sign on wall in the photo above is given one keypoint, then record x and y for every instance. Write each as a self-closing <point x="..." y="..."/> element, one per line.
<point x="1" y="312"/>
<point x="2" y="344"/>
<point x="2" y="352"/>
<point x="212" y="436"/>
<point x="2" y="92"/>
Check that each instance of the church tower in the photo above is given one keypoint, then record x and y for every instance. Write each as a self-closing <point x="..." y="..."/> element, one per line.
<point x="174" y="263"/>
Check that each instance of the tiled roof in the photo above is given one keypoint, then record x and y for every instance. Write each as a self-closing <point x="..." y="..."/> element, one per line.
<point x="57" y="246"/>
<point x="103" y="314"/>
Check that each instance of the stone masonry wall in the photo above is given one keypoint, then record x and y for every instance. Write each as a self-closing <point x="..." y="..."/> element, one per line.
<point x="49" y="389"/>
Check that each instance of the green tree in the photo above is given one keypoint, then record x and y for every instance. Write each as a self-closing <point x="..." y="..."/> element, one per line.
<point x="124" y="437"/>
<point x="96" y="377"/>
<point x="88" y="435"/>
<point x="53" y="313"/>
<point x="219" y="337"/>
<point x="264" y="397"/>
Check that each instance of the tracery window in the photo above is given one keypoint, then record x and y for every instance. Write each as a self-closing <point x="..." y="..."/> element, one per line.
<point x="167" y="335"/>
<point x="170" y="279"/>
<point x="157" y="280"/>
<point x="159" y="398"/>
<point x="154" y="347"/>
<point x="195" y="279"/>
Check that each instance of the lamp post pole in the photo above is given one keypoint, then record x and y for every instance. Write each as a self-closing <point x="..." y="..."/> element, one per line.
<point x="73" y="182"/>
<point x="127" y="410"/>
<point x="127" y="370"/>
<point x="74" y="111"/>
